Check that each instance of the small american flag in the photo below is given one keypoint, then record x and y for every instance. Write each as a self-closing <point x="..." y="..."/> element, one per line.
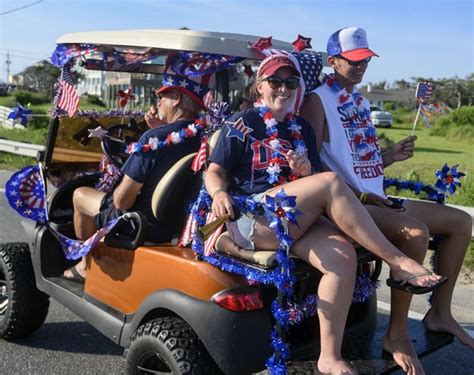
<point x="423" y="90"/>
<point x="200" y="157"/>
<point x="69" y="100"/>
<point x="211" y="241"/>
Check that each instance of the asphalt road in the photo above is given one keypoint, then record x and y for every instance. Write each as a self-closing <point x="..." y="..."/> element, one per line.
<point x="66" y="344"/>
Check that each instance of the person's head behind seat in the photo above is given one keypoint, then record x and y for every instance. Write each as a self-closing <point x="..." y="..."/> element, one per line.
<point x="180" y="98"/>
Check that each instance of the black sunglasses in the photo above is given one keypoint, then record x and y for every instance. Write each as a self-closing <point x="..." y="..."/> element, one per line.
<point x="276" y="82"/>
<point x="355" y="63"/>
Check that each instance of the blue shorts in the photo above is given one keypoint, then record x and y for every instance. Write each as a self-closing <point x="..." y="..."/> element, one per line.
<point x="241" y="231"/>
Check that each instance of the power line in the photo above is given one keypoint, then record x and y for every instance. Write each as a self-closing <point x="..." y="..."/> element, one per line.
<point x="23" y="52"/>
<point x="19" y="8"/>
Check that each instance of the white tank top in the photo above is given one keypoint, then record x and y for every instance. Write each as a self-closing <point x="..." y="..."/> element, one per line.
<point x="353" y="150"/>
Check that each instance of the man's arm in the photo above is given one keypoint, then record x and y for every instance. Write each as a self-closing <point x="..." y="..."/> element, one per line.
<point x="402" y="150"/>
<point x="126" y="193"/>
<point x="312" y="111"/>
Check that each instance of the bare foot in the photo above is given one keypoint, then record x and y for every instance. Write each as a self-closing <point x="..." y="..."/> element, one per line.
<point x="438" y="323"/>
<point x="409" y="267"/>
<point x="335" y="366"/>
<point x="403" y="354"/>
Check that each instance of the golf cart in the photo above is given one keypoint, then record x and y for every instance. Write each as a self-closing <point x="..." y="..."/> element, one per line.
<point x="172" y="310"/>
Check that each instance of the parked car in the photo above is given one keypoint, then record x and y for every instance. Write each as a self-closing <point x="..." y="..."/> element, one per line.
<point x="172" y="311"/>
<point x="380" y="118"/>
<point x="3" y="88"/>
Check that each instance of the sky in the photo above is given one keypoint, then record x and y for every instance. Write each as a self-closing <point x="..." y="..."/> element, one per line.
<point x="414" y="38"/>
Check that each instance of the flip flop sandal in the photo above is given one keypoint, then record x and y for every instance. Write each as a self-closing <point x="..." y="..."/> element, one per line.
<point x="409" y="288"/>
<point x="76" y="276"/>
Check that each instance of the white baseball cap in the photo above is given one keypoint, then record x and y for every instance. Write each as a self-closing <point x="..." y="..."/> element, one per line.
<point x="351" y="43"/>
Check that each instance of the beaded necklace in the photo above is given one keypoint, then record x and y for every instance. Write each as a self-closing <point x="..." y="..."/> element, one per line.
<point x="276" y="158"/>
<point x="171" y="139"/>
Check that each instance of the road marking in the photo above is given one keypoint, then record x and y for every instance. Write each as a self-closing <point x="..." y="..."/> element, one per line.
<point x="414" y="315"/>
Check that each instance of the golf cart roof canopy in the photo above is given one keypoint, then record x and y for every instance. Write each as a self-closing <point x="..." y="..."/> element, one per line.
<point x="169" y="39"/>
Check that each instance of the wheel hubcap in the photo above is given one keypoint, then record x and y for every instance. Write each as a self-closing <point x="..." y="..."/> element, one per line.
<point x="3" y="296"/>
<point x="152" y="363"/>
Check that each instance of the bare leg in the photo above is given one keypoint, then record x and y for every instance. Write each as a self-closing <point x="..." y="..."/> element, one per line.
<point x="86" y="203"/>
<point x="455" y="226"/>
<point x="325" y="248"/>
<point x="411" y="237"/>
<point x="326" y="192"/>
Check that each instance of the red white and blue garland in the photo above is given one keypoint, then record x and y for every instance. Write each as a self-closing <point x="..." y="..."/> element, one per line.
<point x="277" y="152"/>
<point x="350" y="102"/>
<point x="171" y="139"/>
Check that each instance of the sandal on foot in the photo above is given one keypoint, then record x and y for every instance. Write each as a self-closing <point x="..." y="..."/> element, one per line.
<point x="76" y="276"/>
<point x="409" y="288"/>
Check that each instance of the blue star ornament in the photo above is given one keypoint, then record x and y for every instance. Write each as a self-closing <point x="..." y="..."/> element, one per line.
<point x="238" y="129"/>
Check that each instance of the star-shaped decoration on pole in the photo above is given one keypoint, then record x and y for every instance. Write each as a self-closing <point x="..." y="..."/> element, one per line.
<point x="261" y="44"/>
<point x="301" y="43"/>
<point x="97" y="132"/>
<point x="248" y="70"/>
<point x="20" y="114"/>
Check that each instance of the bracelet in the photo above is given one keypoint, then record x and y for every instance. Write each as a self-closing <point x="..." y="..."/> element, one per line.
<point x="363" y="197"/>
<point x="217" y="191"/>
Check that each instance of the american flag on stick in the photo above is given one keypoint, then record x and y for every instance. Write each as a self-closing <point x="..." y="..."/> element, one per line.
<point x="423" y="90"/>
<point x="68" y="100"/>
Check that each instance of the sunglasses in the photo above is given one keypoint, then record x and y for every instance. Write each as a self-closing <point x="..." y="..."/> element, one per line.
<point x="276" y="82"/>
<point x="355" y="63"/>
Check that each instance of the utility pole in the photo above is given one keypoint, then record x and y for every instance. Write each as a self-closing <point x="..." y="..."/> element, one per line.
<point x="8" y="62"/>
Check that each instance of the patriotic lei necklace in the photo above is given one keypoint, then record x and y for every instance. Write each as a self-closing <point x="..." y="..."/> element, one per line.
<point x="171" y="139"/>
<point x="352" y="104"/>
<point x="276" y="159"/>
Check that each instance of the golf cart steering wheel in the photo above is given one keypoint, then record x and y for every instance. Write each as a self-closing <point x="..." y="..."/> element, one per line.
<point x="118" y="137"/>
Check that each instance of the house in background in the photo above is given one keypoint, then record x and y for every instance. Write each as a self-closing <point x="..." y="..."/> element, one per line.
<point x="378" y="97"/>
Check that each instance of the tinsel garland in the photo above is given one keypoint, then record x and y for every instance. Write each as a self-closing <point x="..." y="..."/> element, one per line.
<point x="282" y="276"/>
<point x="416" y="187"/>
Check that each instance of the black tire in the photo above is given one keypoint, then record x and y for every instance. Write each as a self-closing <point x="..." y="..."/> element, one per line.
<point x="167" y="345"/>
<point x="23" y="308"/>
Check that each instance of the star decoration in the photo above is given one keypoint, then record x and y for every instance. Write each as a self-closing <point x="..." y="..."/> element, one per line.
<point x="197" y="89"/>
<point x="248" y="70"/>
<point x="301" y="43"/>
<point x="262" y="43"/>
<point x="97" y="132"/>
<point x="183" y="84"/>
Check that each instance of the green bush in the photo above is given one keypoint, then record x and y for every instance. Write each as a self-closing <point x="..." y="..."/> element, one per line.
<point x="389" y="106"/>
<point x="457" y="125"/>
<point x="94" y="100"/>
<point x="25" y="97"/>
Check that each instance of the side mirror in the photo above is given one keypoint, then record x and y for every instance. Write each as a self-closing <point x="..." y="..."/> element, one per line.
<point x="129" y="233"/>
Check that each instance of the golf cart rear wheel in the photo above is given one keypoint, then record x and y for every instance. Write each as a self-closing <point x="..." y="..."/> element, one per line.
<point x="167" y="346"/>
<point x="23" y="308"/>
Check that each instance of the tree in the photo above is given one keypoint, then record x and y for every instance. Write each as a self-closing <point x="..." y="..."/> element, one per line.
<point x="41" y="77"/>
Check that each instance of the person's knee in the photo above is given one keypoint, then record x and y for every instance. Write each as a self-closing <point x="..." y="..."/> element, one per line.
<point x="462" y="223"/>
<point x="80" y="197"/>
<point x="419" y="233"/>
<point x="346" y="263"/>
<point x="331" y="179"/>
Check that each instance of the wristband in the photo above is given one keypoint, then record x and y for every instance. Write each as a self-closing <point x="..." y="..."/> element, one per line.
<point x="217" y="191"/>
<point x="363" y="197"/>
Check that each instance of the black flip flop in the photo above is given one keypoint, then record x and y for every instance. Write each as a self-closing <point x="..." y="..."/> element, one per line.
<point x="409" y="288"/>
<point x="76" y="276"/>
